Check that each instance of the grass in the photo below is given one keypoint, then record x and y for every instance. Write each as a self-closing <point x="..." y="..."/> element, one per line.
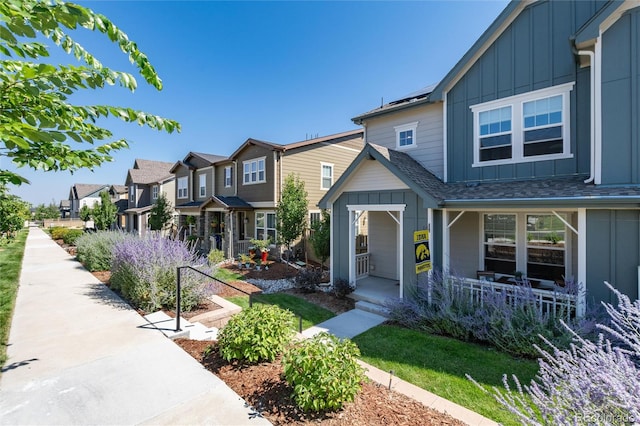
<point x="311" y="314"/>
<point x="439" y="364"/>
<point x="11" y="256"/>
<point x="224" y="274"/>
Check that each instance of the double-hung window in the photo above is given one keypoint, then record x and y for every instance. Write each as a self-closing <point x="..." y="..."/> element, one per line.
<point x="202" y="180"/>
<point x="327" y="176"/>
<point x="533" y="126"/>
<point x="266" y="226"/>
<point x="406" y="135"/>
<point x="154" y="192"/>
<point x="227" y="177"/>
<point x="183" y="185"/>
<point x="254" y="171"/>
<point x="132" y="193"/>
<point x="500" y="243"/>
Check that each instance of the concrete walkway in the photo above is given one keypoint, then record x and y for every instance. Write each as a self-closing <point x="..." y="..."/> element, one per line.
<point x="79" y="355"/>
<point x="346" y="325"/>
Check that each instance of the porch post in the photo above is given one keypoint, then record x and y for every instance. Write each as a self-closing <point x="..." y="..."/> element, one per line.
<point x="581" y="303"/>
<point x="445" y="241"/>
<point x="352" y="248"/>
<point x="331" y="243"/>
<point x="399" y="261"/>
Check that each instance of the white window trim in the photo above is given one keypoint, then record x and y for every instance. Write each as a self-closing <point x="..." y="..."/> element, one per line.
<point x="202" y="185"/>
<point x="132" y="194"/>
<point x="517" y="143"/>
<point x="265" y="228"/>
<point x="228" y="177"/>
<point x="155" y="190"/>
<point x="185" y="188"/>
<point x="403" y="128"/>
<point x="257" y="161"/>
<point x="322" y="166"/>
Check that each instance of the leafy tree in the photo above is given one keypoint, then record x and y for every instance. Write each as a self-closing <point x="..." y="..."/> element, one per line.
<point x="13" y="213"/>
<point x="291" y="214"/>
<point x="161" y="213"/>
<point x="104" y="213"/>
<point x="321" y="237"/>
<point x="39" y="127"/>
<point x="85" y="213"/>
<point x="47" y="212"/>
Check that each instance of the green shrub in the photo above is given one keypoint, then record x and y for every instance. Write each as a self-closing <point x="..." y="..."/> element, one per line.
<point x="255" y="334"/>
<point x="95" y="250"/>
<point x="71" y="236"/>
<point x="58" y="232"/>
<point x="341" y="288"/>
<point x="308" y="279"/>
<point x="323" y="372"/>
<point x="216" y="256"/>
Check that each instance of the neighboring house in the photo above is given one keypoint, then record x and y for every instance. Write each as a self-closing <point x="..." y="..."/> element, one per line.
<point x="534" y="169"/>
<point x="83" y="194"/>
<point x="247" y="186"/>
<point x="65" y="209"/>
<point x="145" y="182"/>
<point x="120" y="197"/>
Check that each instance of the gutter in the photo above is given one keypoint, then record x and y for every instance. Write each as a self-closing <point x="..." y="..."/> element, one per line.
<point x="553" y="201"/>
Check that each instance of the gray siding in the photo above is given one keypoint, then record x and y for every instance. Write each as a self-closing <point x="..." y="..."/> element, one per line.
<point x="429" y="149"/>
<point x="613" y="253"/>
<point x="532" y="53"/>
<point x="382" y="248"/>
<point x="464" y="244"/>
<point x="208" y="184"/>
<point x="621" y="100"/>
<point x="260" y="192"/>
<point x="415" y="218"/>
<point x="219" y="180"/>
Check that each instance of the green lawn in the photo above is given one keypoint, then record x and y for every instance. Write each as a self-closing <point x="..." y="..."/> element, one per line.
<point x="10" y="265"/>
<point x="439" y="364"/>
<point x="311" y="314"/>
<point x="224" y="274"/>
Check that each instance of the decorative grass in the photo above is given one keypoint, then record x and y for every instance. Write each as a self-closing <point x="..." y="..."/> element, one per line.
<point x="439" y="364"/>
<point x="311" y="314"/>
<point x="11" y="256"/>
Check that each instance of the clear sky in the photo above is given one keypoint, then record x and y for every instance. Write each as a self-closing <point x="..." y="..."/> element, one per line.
<point x="274" y="71"/>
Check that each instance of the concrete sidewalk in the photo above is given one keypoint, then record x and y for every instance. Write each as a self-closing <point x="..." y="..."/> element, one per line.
<point x="79" y="355"/>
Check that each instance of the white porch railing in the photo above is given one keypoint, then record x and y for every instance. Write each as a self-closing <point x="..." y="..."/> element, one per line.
<point x="362" y="265"/>
<point x="547" y="301"/>
<point x="241" y="246"/>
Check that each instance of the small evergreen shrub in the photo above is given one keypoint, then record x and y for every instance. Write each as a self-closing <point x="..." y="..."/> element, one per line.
<point x="256" y="334"/>
<point x="323" y="372"/>
<point x="71" y="236"/>
<point x="341" y="288"/>
<point x="58" y="232"/>
<point x="215" y="256"/>
<point x="592" y="382"/>
<point x="144" y="270"/>
<point x="307" y="280"/>
<point x="95" y="249"/>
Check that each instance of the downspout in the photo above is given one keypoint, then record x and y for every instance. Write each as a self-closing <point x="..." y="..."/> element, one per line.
<point x="592" y="93"/>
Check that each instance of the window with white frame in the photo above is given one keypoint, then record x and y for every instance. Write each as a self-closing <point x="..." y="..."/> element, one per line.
<point x="132" y="193"/>
<point x="254" y="171"/>
<point x="537" y="248"/>
<point x="154" y="192"/>
<point x="202" y="184"/>
<point x="406" y="135"/>
<point x="314" y="217"/>
<point x="266" y="226"/>
<point x="326" y="177"/>
<point x="228" y="181"/>
<point x="533" y="126"/>
<point x="183" y="187"/>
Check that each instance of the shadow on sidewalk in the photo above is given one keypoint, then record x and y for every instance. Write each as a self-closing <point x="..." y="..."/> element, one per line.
<point x="102" y="294"/>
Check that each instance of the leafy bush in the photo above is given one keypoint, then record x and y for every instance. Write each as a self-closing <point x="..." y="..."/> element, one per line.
<point x="216" y="256"/>
<point x="590" y="383"/>
<point x="58" y="232"/>
<point x="71" y="236"/>
<point x="323" y="372"/>
<point x="341" y="288"/>
<point x="308" y="279"/>
<point x="95" y="250"/>
<point x="510" y="321"/>
<point x="255" y="334"/>
<point x="144" y="270"/>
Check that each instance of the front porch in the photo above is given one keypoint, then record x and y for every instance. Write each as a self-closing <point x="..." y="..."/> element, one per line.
<point x="375" y="290"/>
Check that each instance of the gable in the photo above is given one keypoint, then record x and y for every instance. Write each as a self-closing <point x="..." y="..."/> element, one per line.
<point x="372" y="176"/>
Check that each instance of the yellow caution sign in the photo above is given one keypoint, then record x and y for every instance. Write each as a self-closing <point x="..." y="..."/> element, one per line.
<point x="422" y="251"/>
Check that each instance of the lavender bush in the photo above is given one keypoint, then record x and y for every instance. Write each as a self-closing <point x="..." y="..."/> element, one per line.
<point x="510" y="321"/>
<point x="144" y="271"/>
<point x="589" y="383"/>
<point x="95" y="249"/>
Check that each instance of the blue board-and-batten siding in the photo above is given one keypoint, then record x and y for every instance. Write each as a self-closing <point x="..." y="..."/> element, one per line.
<point x="532" y="53"/>
<point x="415" y="218"/>
<point x="621" y="100"/>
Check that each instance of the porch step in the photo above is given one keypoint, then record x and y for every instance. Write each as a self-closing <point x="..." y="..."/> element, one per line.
<point x="363" y="305"/>
<point x="193" y="331"/>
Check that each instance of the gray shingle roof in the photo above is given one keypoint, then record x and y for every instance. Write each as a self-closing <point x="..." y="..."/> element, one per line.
<point x="82" y="190"/>
<point x="149" y="171"/>
<point x="233" y="202"/>
<point x="418" y="97"/>
<point x="212" y="158"/>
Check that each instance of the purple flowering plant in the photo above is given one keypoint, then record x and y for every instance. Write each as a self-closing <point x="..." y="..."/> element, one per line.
<point x="144" y="271"/>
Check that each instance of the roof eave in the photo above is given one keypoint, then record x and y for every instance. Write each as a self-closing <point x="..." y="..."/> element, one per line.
<point x="360" y="118"/>
<point x="613" y="202"/>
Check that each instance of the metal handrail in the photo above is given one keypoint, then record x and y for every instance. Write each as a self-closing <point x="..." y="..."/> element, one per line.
<point x="178" y="287"/>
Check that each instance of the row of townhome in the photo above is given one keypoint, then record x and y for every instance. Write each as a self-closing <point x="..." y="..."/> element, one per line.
<point x="523" y="159"/>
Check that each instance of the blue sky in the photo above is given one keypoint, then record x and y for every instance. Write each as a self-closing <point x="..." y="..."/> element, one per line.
<point x="275" y="71"/>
